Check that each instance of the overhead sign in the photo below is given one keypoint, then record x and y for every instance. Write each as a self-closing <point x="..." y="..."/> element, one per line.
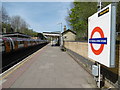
<point x="101" y="36"/>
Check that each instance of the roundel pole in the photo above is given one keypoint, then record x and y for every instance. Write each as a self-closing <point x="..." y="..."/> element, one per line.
<point x="99" y="67"/>
<point x="99" y="5"/>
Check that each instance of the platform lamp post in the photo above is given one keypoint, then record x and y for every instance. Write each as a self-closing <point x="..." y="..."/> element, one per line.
<point x="61" y="38"/>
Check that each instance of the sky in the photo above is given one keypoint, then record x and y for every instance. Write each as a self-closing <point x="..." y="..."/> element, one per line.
<point x="41" y="16"/>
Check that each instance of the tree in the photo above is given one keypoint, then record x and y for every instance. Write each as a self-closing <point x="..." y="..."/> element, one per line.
<point x="5" y="16"/>
<point x="23" y="25"/>
<point x="5" y="20"/>
<point x="78" y="17"/>
<point x="18" y="24"/>
<point x="15" y="23"/>
<point x="118" y="17"/>
<point x="118" y="20"/>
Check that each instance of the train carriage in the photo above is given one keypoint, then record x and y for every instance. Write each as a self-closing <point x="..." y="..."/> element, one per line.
<point x="8" y="44"/>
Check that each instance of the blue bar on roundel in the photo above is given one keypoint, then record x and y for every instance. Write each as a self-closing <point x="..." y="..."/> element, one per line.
<point x="98" y="40"/>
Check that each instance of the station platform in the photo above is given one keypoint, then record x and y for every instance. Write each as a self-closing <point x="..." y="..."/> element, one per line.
<point x="49" y="67"/>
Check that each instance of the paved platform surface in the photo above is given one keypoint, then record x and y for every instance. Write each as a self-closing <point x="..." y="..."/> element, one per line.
<point x="54" y="69"/>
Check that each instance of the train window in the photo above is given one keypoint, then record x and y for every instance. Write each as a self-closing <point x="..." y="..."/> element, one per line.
<point x="20" y="44"/>
<point x="29" y="43"/>
<point x="3" y="46"/>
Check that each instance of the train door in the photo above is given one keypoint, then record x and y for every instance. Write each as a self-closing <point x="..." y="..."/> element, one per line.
<point x="16" y="44"/>
<point x="25" y="43"/>
<point x="7" y="45"/>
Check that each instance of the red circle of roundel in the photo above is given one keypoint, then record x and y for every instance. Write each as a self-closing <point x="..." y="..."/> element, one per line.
<point x="99" y="30"/>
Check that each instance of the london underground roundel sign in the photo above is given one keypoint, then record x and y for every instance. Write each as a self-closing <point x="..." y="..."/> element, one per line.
<point x="101" y="36"/>
<point x="102" y="40"/>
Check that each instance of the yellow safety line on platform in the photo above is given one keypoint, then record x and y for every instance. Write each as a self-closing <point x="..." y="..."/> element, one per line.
<point x="13" y="69"/>
<point x="28" y="58"/>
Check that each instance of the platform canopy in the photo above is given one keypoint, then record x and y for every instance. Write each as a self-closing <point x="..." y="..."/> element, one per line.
<point x="51" y="34"/>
